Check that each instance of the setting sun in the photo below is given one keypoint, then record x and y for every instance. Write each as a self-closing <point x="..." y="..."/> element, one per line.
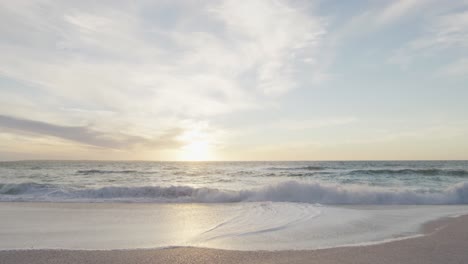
<point x="196" y="151"/>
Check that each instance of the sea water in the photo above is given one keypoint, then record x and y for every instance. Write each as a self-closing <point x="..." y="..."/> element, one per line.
<point x="230" y="205"/>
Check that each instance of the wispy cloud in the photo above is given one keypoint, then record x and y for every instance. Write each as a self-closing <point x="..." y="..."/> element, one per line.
<point x="457" y="68"/>
<point x="216" y="58"/>
<point x="380" y="15"/>
<point x="398" y="9"/>
<point x="87" y="135"/>
<point x="146" y="75"/>
<point x="311" y="124"/>
<point x="443" y="32"/>
<point x="150" y="65"/>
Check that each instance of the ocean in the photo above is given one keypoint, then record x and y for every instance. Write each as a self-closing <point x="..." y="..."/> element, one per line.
<point x="231" y="205"/>
<point x="331" y="182"/>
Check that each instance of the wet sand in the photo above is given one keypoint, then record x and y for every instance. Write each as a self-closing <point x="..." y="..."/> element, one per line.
<point x="446" y="242"/>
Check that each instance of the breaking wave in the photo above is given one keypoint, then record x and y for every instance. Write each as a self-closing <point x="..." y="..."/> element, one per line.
<point x="290" y="191"/>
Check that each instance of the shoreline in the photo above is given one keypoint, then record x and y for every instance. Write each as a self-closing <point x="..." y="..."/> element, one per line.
<point x="444" y="241"/>
<point x="143" y="226"/>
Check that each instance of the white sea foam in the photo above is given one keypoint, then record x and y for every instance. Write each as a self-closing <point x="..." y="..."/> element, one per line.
<point x="290" y="191"/>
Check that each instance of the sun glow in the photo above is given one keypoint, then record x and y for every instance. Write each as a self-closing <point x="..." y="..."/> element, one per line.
<point x="196" y="151"/>
<point x="198" y="144"/>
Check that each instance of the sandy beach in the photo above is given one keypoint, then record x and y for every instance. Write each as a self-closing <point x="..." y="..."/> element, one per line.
<point x="446" y="241"/>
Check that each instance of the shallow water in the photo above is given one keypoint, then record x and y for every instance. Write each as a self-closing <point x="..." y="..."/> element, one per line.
<point x="239" y="226"/>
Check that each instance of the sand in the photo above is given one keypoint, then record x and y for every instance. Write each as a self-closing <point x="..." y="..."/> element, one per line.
<point x="446" y="242"/>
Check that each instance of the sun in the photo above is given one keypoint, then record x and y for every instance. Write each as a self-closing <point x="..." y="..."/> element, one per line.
<point x="198" y="144"/>
<point x="196" y="151"/>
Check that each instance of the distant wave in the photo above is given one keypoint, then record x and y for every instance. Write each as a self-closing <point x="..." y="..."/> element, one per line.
<point x="86" y="172"/>
<point x="428" y="172"/>
<point x="299" y="168"/>
<point x="290" y="191"/>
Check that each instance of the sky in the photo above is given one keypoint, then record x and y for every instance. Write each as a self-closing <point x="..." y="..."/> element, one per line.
<point x="234" y="80"/>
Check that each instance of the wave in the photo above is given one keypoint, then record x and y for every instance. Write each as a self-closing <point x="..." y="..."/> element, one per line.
<point x="427" y="172"/>
<point x="23" y="188"/>
<point x="94" y="171"/>
<point x="290" y="191"/>
<point x="299" y="168"/>
<point x="305" y="174"/>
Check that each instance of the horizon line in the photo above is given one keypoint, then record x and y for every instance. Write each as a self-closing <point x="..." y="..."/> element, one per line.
<point x="201" y="161"/>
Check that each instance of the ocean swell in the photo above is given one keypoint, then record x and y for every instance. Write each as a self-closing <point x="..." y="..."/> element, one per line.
<point x="307" y="168"/>
<point x="95" y="171"/>
<point x="426" y="172"/>
<point x="290" y="191"/>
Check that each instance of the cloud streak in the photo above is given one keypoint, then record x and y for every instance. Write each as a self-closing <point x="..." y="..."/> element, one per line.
<point x="88" y="136"/>
<point x="443" y="32"/>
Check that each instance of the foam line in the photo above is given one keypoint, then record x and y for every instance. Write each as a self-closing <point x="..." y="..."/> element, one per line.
<point x="291" y="191"/>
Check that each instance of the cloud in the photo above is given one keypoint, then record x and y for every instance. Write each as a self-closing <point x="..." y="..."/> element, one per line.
<point x="442" y="33"/>
<point x="216" y="58"/>
<point x="144" y="66"/>
<point x="457" y="68"/>
<point x="87" y="135"/>
<point x="272" y="41"/>
<point x="312" y="124"/>
<point x="380" y="15"/>
<point x="398" y="9"/>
